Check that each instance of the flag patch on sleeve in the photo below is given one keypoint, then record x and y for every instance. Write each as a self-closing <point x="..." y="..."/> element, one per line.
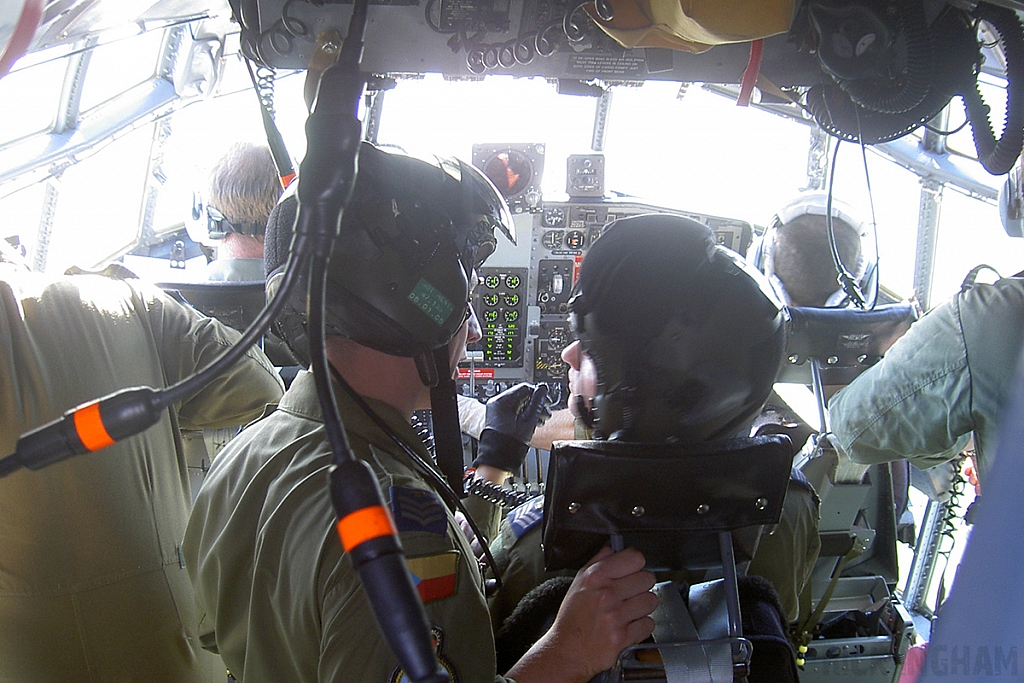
<point x="418" y="510"/>
<point x="434" y="575"/>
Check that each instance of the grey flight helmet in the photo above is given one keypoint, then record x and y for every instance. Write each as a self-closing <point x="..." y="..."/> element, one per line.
<point x="400" y="273"/>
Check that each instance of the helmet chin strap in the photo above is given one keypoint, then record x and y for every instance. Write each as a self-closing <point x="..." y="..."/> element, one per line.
<point x="586" y="413"/>
<point x="444" y="409"/>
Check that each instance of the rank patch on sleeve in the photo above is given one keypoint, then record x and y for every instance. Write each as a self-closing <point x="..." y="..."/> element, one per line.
<point x="526" y="516"/>
<point x="434" y="575"/>
<point x="418" y="510"/>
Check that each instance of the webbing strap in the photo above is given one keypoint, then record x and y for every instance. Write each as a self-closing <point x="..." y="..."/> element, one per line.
<point x="698" y="663"/>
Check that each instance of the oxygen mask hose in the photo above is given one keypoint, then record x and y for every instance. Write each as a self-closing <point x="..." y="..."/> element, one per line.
<point x="364" y="527"/>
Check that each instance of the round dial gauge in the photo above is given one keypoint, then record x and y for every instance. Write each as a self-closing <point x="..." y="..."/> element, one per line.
<point x="552" y="239"/>
<point x="554" y="218"/>
<point x="510" y="171"/>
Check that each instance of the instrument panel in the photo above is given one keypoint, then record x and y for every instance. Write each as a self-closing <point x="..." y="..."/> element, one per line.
<point x="500" y="305"/>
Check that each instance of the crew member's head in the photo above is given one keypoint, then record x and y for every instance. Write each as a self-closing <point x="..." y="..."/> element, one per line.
<point x="243" y="188"/>
<point x="796" y="256"/>
<point x="685" y="338"/>
<point x="403" y="268"/>
<point x="582" y="380"/>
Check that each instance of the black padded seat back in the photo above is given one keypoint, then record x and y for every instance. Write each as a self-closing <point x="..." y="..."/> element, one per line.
<point x="234" y="303"/>
<point x="669" y="501"/>
<point x="844" y="341"/>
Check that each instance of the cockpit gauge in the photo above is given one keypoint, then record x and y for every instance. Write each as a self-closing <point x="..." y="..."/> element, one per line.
<point x="515" y="170"/>
<point x="552" y="239"/>
<point x="501" y="309"/>
<point x="585" y="177"/>
<point x="558" y="338"/>
<point x="575" y="239"/>
<point x="554" y="217"/>
<point x="510" y="171"/>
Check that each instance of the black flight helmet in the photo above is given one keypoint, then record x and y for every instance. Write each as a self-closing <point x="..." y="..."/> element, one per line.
<point x="687" y="339"/>
<point x="399" y="274"/>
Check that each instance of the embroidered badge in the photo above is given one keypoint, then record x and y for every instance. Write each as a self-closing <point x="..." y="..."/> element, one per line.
<point x="431" y="301"/>
<point x="526" y="516"/>
<point x="437" y="635"/>
<point x="418" y="510"/>
<point x="434" y="575"/>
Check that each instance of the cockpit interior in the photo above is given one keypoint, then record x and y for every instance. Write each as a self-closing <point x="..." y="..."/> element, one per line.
<point x="113" y="113"/>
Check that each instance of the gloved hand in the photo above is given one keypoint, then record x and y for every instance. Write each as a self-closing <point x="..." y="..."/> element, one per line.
<point x="511" y="418"/>
<point x="553" y="396"/>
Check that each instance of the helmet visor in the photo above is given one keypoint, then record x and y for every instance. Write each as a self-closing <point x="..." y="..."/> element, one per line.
<point x="483" y="210"/>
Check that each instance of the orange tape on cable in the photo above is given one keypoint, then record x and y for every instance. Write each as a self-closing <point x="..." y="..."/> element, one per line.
<point x="90" y="429"/>
<point x="364" y="525"/>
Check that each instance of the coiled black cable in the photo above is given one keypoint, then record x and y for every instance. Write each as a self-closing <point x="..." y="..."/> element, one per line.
<point x="948" y="530"/>
<point x="263" y="80"/>
<point x="953" y="72"/>
<point x="908" y="89"/>
<point x="498" y="495"/>
<point x="492" y="493"/>
<point x="998" y="156"/>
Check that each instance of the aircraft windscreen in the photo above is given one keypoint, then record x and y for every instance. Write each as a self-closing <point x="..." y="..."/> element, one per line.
<point x="685" y="146"/>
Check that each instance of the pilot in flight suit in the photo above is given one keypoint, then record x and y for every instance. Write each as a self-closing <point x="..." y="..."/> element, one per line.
<point x="649" y="301"/>
<point x="278" y="599"/>
<point x="243" y="188"/>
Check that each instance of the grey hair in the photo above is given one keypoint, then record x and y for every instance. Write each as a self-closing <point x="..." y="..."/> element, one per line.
<point x="244" y="185"/>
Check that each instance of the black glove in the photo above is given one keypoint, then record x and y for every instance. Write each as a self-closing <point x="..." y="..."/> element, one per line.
<point x="511" y="418"/>
<point x="553" y="396"/>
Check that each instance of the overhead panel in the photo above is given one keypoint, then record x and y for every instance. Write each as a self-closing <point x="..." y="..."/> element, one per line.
<point x="549" y="38"/>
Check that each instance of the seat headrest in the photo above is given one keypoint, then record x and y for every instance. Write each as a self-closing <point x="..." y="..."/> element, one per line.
<point x="236" y="304"/>
<point x="667" y="500"/>
<point x="844" y="341"/>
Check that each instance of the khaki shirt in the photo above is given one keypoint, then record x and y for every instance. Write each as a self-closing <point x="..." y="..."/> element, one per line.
<point x="92" y="585"/>
<point x="941" y="382"/>
<point x="785" y="554"/>
<point x="279" y="599"/>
